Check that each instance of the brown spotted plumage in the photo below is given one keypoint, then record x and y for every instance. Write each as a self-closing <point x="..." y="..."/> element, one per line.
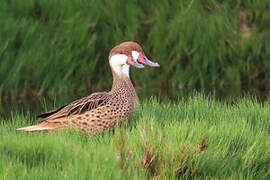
<point x="98" y="111"/>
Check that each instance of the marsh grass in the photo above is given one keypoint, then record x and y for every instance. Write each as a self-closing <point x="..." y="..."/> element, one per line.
<point x="197" y="138"/>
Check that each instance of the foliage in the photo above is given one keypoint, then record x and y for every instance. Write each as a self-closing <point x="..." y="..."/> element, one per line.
<point x="61" y="46"/>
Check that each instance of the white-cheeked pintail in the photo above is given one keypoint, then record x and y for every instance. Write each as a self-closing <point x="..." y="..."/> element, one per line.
<point x="102" y="110"/>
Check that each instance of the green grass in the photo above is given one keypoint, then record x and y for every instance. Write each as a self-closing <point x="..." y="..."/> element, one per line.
<point x="196" y="138"/>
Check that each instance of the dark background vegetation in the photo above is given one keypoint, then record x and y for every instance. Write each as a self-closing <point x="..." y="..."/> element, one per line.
<point x="55" y="48"/>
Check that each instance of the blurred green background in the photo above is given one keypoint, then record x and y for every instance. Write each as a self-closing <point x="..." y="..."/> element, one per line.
<point x="58" y="49"/>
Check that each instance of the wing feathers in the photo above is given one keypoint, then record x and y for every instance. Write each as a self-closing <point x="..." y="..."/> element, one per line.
<point x="78" y="107"/>
<point x="47" y="114"/>
<point x="59" y="118"/>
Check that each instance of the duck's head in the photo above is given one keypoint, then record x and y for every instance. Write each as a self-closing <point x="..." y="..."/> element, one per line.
<point x="126" y="54"/>
<point x="137" y="53"/>
<point x="120" y="56"/>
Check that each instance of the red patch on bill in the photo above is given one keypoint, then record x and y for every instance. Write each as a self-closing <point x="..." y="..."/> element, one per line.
<point x="130" y="61"/>
<point x="141" y="59"/>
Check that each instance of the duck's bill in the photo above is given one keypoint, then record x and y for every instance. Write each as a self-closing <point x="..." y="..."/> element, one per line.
<point x="134" y="63"/>
<point x="144" y="60"/>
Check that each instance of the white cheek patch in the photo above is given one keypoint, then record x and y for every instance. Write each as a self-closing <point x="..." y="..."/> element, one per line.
<point x="117" y="61"/>
<point x="135" y="55"/>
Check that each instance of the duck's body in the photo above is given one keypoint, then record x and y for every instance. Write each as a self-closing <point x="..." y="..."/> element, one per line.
<point x="93" y="114"/>
<point x="98" y="111"/>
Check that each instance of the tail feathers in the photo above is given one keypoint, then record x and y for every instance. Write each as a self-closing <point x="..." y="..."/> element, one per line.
<point x="40" y="127"/>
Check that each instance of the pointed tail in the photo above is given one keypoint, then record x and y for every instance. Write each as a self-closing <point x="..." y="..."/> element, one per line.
<point x="45" y="127"/>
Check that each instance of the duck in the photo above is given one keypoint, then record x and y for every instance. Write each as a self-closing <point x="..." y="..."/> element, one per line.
<point x="100" y="111"/>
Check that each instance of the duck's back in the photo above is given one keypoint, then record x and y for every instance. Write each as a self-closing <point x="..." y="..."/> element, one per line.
<point x="91" y="114"/>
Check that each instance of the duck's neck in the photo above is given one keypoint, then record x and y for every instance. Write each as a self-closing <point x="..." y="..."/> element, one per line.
<point x="131" y="88"/>
<point x="122" y="84"/>
<point x="119" y="84"/>
<point x="132" y="91"/>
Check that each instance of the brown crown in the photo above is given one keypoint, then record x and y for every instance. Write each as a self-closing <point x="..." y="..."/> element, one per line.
<point x="125" y="48"/>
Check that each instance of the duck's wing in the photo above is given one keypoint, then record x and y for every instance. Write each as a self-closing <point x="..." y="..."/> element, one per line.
<point x="77" y="107"/>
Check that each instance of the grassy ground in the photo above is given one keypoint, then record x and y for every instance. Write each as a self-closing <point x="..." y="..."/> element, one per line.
<point x="195" y="138"/>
